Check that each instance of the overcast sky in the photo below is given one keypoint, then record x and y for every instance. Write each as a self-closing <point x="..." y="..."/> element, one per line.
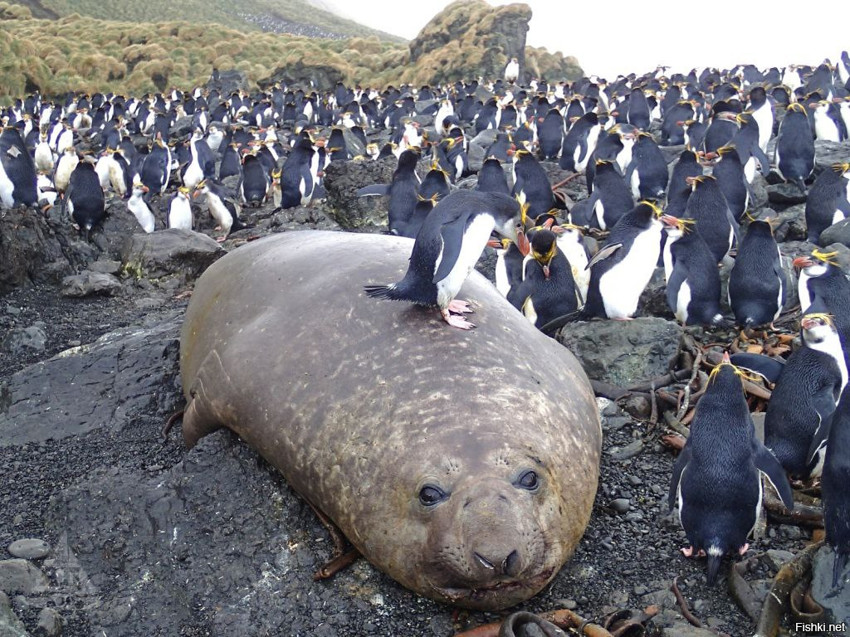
<point x="618" y="37"/>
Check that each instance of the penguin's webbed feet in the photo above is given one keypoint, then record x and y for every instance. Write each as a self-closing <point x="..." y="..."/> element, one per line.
<point x="456" y="320"/>
<point x="688" y="551"/>
<point x="456" y="306"/>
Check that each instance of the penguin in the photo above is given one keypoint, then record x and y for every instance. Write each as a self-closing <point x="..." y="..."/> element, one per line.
<point x="509" y="266"/>
<point x="571" y="243"/>
<point x="722" y="127"/>
<point x="729" y="173"/>
<point x="717" y="477"/>
<point x="638" y="110"/>
<point x="446" y="249"/>
<point x="45" y="158"/>
<point x="548" y="290"/>
<point x="491" y="177"/>
<point x="795" y="147"/>
<point x="140" y="208"/>
<point x="254" y="187"/>
<point x="18" y="168"/>
<point x="836" y="497"/>
<point x="694" y="134"/>
<point x="647" y="173"/>
<point x="512" y="71"/>
<point x="693" y="280"/>
<point x="180" y="210"/>
<point x="580" y="143"/>
<point x="84" y="200"/>
<point x="611" y="197"/>
<point x="231" y="164"/>
<point x="201" y="163"/>
<point x="757" y="283"/>
<point x="621" y="269"/>
<point x="828" y="201"/>
<point x="221" y="207"/>
<point x="531" y="184"/>
<point x="550" y="132"/>
<point x="762" y="111"/>
<point x="501" y="148"/>
<point x="299" y="174"/>
<point x="806" y="393"/>
<point x="672" y="124"/>
<point x="827" y="122"/>
<point x="156" y="167"/>
<point x="714" y="221"/>
<point x="680" y="186"/>
<point x="403" y="191"/>
<point x="434" y="187"/>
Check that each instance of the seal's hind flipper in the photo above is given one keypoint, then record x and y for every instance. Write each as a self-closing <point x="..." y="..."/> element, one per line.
<point x="201" y="417"/>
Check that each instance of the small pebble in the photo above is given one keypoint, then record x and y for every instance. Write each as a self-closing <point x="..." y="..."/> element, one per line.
<point x="49" y="623"/>
<point x="620" y="505"/>
<point x="29" y="549"/>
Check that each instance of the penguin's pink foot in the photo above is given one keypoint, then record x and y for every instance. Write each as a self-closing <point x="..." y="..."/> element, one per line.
<point x="457" y="306"/>
<point x="744" y="548"/>
<point x="221" y="239"/>
<point x="688" y="551"/>
<point x="456" y="321"/>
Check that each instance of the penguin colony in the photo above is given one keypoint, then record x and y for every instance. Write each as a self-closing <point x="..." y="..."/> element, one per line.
<point x="686" y="209"/>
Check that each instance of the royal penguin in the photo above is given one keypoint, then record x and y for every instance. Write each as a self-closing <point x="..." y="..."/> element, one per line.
<point x="571" y="243"/>
<point x="84" y="201"/>
<point x="491" y="177"/>
<point x="580" y="143"/>
<point x="757" y="283"/>
<point x="672" y="124"/>
<point x="714" y="220"/>
<point x="510" y="262"/>
<point x="531" y="184"/>
<point x="746" y="143"/>
<point x="729" y="173"/>
<point x="254" y="187"/>
<point x="680" y="186"/>
<point x="446" y="249"/>
<point x="299" y="175"/>
<point x="434" y="187"/>
<point x="647" y="173"/>
<point x="795" y="147"/>
<point x="18" y="168"/>
<point x="762" y="111"/>
<point x="140" y="208"/>
<point x="512" y="71"/>
<point x="550" y="133"/>
<point x="716" y="482"/>
<point x="156" y="167"/>
<point x="827" y="122"/>
<point x="693" y="280"/>
<point x="548" y="290"/>
<point x="621" y="269"/>
<point x="180" y="210"/>
<point x="44" y="156"/>
<point x="611" y="197"/>
<point x="836" y="497"/>
<point x="231" y="162"/>
<point x="221" y="207"/>
<point x="722" y="127"/>
<point x="403" y="191"/>
<point x="806" y="393"/>
<point x="828" y="201"/>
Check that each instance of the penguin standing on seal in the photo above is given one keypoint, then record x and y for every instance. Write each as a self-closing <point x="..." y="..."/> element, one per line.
<point x="717" y="477"/>
<point x="621" y="269"/>
<point x="757" y="284"/>
<point x="446" y="249"/>
<point x="548" y="290"/>
<point x="795" y="147"/>
<point x="828" y="201"/>
<point x="834" y="481"/>
<point x="797" y="420"/>
<point x="693" y="280"/>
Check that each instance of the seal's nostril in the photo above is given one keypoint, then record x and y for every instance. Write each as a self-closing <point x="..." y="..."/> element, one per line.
<point x="484" y="562"/>
<point x="511" y="564"/>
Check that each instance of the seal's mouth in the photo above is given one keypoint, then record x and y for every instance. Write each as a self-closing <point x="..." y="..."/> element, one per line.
<point x="500" y="589"/>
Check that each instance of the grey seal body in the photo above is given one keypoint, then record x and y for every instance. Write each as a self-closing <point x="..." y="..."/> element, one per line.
<point x="462" y="464"/>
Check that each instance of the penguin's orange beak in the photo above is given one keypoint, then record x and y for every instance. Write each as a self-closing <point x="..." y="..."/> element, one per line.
<point x="546" y="272"/>
<point x="801" y="262"/>
<point x="494" y="243"/>
<point x="196" y="194"/>
<point x="522" y="242"/>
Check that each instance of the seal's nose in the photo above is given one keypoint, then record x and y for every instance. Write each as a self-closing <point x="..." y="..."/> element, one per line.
<point x="508" y="566"/>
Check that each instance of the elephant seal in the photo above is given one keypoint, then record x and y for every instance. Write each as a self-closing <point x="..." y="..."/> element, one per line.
<point x="462" y="464"/>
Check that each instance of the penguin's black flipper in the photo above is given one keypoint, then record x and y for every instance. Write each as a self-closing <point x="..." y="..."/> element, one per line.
<point x="767" y="463"/>
<point x="761" y="158"/>
<point x="451" y="233"/>
<point x="824" y="404"/>
<point x="552" y="326"/>
<point x="319" y="192"/>
<point x="603" y="254"/>
<point x="677" y="278"/>
<point x="844" y="206"/>
<point x="375" y="190"/>
<point x="681" y="462"/>
<point x="765" y="366"/>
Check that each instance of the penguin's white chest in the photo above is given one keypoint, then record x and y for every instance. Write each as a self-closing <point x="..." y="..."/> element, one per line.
<point x="622" y="285"/>
<point x="180" y="214"/>
<point x="475" y="238"/>
<point x="6" y="189"/>
<point x="683" y="299"/>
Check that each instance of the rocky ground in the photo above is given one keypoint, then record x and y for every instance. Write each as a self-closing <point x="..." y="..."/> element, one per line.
<point x="140" y="537"/>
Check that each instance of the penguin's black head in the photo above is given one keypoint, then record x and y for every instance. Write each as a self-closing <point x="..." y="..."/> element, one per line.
<point x="544" y="247"/>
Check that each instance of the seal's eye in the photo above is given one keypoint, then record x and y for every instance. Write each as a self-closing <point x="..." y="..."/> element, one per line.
<point x="429" y="495"/>
<point x="527" y="480"/>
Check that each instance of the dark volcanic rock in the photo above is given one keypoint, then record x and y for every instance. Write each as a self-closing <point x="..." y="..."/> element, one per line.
<point x="623" y="352"/>
<point x="229" y="81"/>
<point x="168" y="252"/>
<point x="343" y="179"/>
<point x="88" y="283"/>
<point x="836" y="603"/>
<point x="111" y="383"/>
<point x="836" y="233"/>
<point x="787" y="194"/>
<point x="10" y="625"/>
<point x="321" y="77"/>
<point x="829" y="153"/>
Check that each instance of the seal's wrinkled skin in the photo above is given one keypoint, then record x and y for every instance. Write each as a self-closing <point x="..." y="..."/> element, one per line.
<point x="462" y="464"/>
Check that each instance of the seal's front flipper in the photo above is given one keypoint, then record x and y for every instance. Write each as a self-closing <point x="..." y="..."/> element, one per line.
<point x="336" y="564"/>
<point x="342" y="558"/>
